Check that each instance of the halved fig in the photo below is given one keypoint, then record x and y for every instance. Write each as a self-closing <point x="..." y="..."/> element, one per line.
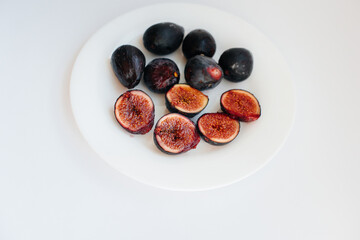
<point x="161" y="74"/>
<point x="241" y="105"/>
<point x="135" y="112"/>
<point x="218" y="128"/>
<point x="175" y="133"/>
<point x="184" y="99"/>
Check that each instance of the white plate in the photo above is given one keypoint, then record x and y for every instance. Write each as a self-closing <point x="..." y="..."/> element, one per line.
<point x="94" y="89"/>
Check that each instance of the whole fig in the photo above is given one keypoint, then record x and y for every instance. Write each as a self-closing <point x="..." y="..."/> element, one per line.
<point x="128" y="63"/>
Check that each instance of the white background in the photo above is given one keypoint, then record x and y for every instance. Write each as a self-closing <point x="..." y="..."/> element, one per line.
<point x="53" y="186"/>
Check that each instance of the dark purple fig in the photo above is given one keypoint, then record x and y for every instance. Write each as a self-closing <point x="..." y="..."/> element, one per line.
<point x="182" y="98"/>
<point x="237" y="64"/>
<point x="175" y="133"/>
<point x="161" y="74"/>
<point x="163" y="38"/>
<point x="128" y="63"/>
<point x="198" y="42"/>
<point x="135" y="111"/>
<point x="218" y="128"/>
<point x="241" y="105"/>
<point x="202" y="72"/>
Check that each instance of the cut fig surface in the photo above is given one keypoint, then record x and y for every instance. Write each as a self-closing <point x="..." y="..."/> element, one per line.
<point x="184" y="99"/>
<point x="134" y="110"/>
<point x="241" y="105"/>
<point x="218" y="128"/>
<point x="161" y="74"/>
<point x="175" y="133"/>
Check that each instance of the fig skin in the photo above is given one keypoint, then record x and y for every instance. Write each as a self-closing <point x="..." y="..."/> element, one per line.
<point x="194" y="100"/>
<point x="135" y="111"/>
<point x="128" y="64"/>
<point x="220" y="122"/>
<point x="240" y="105"/>
<point x="237" y="64"/>
<point x="161" y="74"/>
<point x="202" y="72"/>
<point x="163" y="38"/>
<point x="181" y="132"/>
<point x="197" y="42"/>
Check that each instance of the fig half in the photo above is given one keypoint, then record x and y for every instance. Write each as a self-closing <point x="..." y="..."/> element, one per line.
<point x="218" y="128"/>
<point x="241" y="105"/>
<point x="184" y="99"/>
<point x="175" y="133"/>
<point x="135" y="112"/>
<point x="161" y="74"/>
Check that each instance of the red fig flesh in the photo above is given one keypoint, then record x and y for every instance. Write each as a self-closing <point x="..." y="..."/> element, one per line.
<point x="134" y="110"/>
<point x="241" y="105"/>
<point x="175" y="133"/>
<point x="218" y="128"/>
<point x="186" y="100"/>
<point x="161" y="74"/>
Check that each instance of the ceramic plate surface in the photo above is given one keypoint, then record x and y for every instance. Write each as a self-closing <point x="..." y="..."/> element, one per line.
<point x="94" y="89"/>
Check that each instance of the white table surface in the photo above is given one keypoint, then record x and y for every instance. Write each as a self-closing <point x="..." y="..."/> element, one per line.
<point x="53" y="186"/>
